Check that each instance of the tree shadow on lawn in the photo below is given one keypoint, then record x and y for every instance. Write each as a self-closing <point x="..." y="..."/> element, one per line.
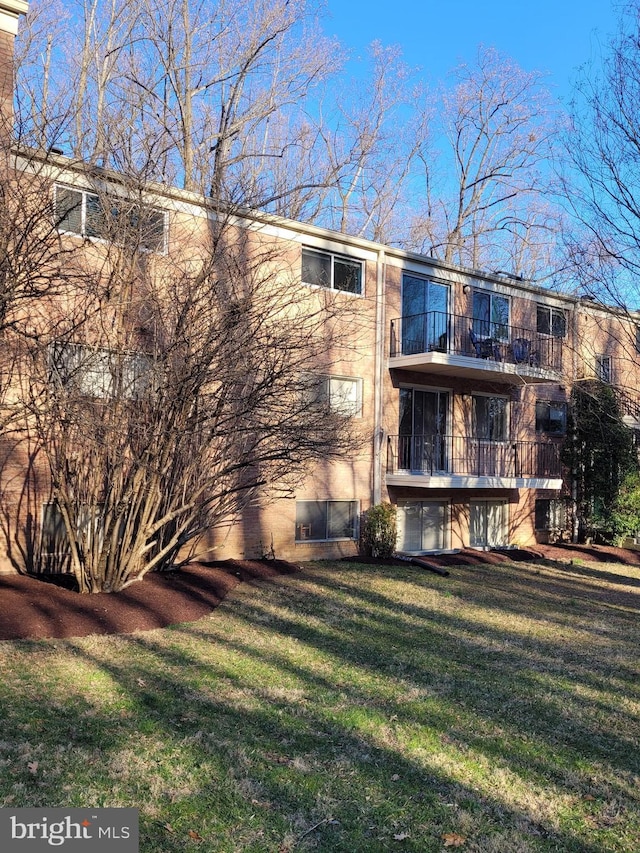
<point x="545" y="707"/>
<point x="387" y="670"/>
<point x="307" y="761"/>
<point x="520" y="588"/>
<point x="368" y="634"/>
<point x="579" y="569"/>
<point x="280" y="772"/>
<point x="555" y="603"/>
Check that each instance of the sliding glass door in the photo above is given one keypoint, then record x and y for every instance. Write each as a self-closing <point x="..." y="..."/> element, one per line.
<point x="424" y="315"/>
<point x="423" y="430"/>
<point x="488" y="526"/>
<point x="422" y="526"/>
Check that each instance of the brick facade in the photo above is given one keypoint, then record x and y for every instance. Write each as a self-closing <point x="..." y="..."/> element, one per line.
<point x="462" y="382"/>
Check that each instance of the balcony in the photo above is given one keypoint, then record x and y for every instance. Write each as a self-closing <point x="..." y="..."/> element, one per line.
<point x="629" y="408"/>
<point x="448" y="461"/>
<point x="455" y="345"/>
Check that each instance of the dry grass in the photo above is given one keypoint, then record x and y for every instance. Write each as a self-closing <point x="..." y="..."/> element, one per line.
<point x="351" y="708"/>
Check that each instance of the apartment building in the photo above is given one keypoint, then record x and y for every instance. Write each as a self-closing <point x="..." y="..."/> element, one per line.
<point x="456" y="382"/>
<point x="462" y="391"/>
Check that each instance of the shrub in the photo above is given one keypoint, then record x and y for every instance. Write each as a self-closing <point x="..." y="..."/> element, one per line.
<point x="625" y="514"/>
<point x="378" y="536"/>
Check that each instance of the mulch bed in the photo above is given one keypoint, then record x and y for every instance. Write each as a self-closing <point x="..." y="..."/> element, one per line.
<point x="559" y="553"/>
<point x="32" y="609"/>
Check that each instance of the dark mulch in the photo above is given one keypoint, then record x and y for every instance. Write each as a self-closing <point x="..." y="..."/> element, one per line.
<point x="34" y="610"/>
<point x="589" y="553"/>
<point x="559" y="553"/>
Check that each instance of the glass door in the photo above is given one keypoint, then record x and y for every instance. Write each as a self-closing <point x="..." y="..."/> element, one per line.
<point x="488" y="524"/>
<point x="422" y="526"/>
<point x="425" y="319"/>
<point x="422" y="443"/>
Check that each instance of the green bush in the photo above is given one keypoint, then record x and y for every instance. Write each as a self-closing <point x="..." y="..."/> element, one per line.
<point x="378" y="535"/>
<point x="625" y="513"/>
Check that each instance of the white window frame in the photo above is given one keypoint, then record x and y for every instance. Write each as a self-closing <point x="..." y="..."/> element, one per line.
<point x="418" y="506"/>
<point x="85" y="195"/>
<point x="90" y="371"/>
<point x="334" y="257"/>
<point x="349" y="406"/>
<point x="483" y="507"/>
<point x="302" y="535"/>
<point x="603" y="366"/>
<point x="553" y="312"/>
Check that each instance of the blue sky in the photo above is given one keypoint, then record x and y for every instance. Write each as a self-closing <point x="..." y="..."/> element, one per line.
<point x="555" y="36"/>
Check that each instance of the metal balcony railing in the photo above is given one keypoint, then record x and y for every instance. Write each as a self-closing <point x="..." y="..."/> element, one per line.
<point x="455" y="334"/>
<point x="629" y="405"/>
<point x="471" y="457"/>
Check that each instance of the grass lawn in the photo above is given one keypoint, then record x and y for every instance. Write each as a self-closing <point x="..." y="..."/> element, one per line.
<point x="350" y="708"/>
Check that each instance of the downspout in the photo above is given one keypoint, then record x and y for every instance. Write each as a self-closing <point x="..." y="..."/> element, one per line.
<point x="378" y="373"/>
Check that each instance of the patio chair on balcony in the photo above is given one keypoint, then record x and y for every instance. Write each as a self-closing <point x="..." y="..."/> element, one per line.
<point x="485" y="347"/>
<point x="523" y="354"/>
<point x="439" y="344"/>
<point x="521" y="349"/>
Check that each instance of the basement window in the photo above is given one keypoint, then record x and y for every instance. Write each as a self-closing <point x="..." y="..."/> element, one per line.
<point x="322" y="521"/>
<point x="550" y="514"/>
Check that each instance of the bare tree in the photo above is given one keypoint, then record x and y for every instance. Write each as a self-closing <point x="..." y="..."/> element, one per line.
<point x="370" y="140"/>
<point x="166" y="392"/>
<point x="165" y="383"/>
<point x="603" y="148"/>
<point x="497" y="131"/>
<point x="183" y="91"/>
<point x="41" y="102"/>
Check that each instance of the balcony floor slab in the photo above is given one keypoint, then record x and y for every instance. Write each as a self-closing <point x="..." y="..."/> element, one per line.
<point x="473" y="368"/>
<point x="450" y="481"/>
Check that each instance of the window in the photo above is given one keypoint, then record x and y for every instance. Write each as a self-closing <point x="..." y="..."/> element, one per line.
<point x="101" y="373"/>
<point x="551" y="417"/>
<point x="425" y="317"/>
<point x="551" y="321"/>
<point x="109" y="218"/>
<point x="343" y="394"/>
<point x="490" y="315"/>
<point x="324" y="520"/>
<point x="324" y="269"/>
<point x="550" y="514"/>
<point x="422" y="525"/>
<point x="54" y="533"/>
<point x="603" y="368"/>
<point x="490" y="418"/>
